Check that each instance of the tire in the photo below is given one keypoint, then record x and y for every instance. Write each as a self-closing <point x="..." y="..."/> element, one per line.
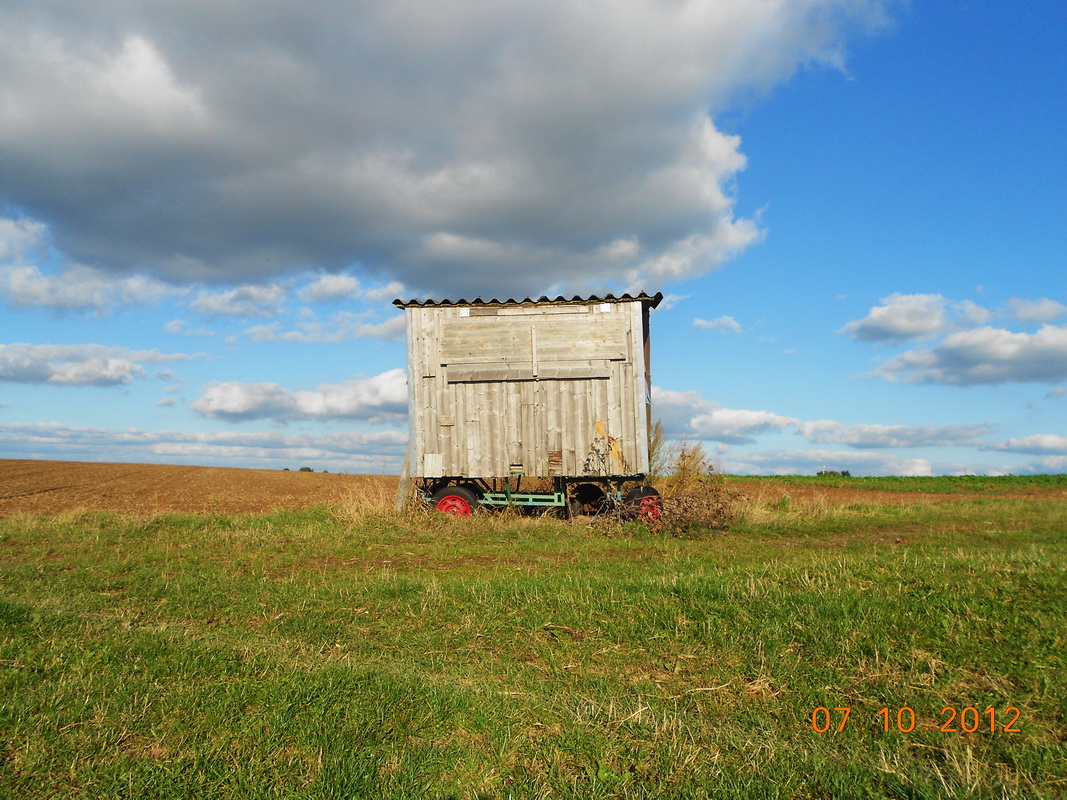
<point x="455" y="500"/>
<point x="646" y="503"/>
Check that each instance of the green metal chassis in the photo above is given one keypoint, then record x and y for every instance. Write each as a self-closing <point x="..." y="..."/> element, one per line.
<point x="490" y="495"/>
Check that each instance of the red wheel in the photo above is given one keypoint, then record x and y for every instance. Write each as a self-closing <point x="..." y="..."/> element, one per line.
<point x="646" y="503"/>
<point x="455" y="500"/>
<point x="649" y="509"/>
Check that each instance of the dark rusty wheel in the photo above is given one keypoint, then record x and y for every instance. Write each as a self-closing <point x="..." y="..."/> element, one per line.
<point x="646" y="503"/>
<point x="587" y="499"/>
<point x="455" y="500"/>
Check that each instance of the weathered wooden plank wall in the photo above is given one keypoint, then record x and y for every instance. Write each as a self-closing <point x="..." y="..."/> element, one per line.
<point x="560" y="389"/>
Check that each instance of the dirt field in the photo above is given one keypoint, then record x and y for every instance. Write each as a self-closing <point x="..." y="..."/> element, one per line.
<point x="52" y="487"/>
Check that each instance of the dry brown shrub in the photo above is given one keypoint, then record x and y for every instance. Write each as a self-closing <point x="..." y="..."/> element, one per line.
<point x="697" y="507"/>
<point x="695" y="498"/>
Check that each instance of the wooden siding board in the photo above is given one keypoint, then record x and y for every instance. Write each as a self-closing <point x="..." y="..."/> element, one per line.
<point x="497" y="428"/>
<point x="513" y="417"/>
<point x="465" y="400"/>
<point x="414" y="409"/>
<point x="505" y="373"/>
<point x="568" y="404"/>
<point x="581" y="433"/>
<point x="640" y="384"/>
<point x="487" y="340"/>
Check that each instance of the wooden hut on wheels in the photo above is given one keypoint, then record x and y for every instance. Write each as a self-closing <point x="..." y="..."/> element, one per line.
<point x="553" y="391"/>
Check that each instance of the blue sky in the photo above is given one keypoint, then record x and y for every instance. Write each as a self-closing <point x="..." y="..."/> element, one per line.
<point x="855" y="210"/>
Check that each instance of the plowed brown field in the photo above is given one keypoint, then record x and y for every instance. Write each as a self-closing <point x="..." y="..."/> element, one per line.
<point x="51" y="487"/>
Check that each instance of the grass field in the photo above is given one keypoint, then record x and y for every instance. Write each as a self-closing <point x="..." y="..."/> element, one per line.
<point x="347" y="652"/>
<point x="940" y="484"/>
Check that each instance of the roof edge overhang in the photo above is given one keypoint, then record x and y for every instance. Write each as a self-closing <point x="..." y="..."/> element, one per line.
<point x="649" y="300"/>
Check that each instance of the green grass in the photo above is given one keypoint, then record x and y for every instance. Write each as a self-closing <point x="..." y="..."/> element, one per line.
<point x="300" y="655"/>
<point x="940" y="484"/>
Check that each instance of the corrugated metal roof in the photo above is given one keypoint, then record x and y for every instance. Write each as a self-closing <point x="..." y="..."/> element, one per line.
<point x="651" y="300"/>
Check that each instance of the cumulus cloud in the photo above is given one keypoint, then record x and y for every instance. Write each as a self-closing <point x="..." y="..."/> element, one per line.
<point x="985" y="355"/>
<point x="336" y="288"/>
<point x="908" y="317"/>
<point x="77" y="288"/>
<point x="181" y="327"/>
<point x="76" y="365"/>
<point x="720" y="324"/>
<point x="1038" y="444"/>
<point x="330" y="288"/>
<point x="248" y="300"/>
<point x="675" y="410"/>
<point x="381" y="398"/>
<point x="970" y="351"/>
<point x="392" y="328"/>
<point x="18" y="237"/>
<point x="738" y="426"/>
<point x="1043" y="310"/>
<point x="391" y="290"/>
<point x="794" y="462"/>
<point x="340" y="327"/>
<point x="376" y="451"/>
<point x="570" y="142"/>
<point x="1042" y="466"/>
<point x="687" y="414"/>
<point x="875" y="436"/>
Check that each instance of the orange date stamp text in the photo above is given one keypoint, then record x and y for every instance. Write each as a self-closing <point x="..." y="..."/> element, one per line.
<point x="953" y="720"/>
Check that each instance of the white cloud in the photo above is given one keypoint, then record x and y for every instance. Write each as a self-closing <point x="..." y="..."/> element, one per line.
<point x="140" y="79"/>
<point x="341" y="327"/>
<point x="1038" y="444"/>
<point x="350" y="451"/>
<point x="797" y="462"/>
<point x="392" y="328"/>
<point x="330" y="288"/>
<point x="908" y="317"/>
<point x="77" y="288"/>
<point x="720" y="324"/>
<point x="687" y="414"/>
<point x="20" y="236"/>
<point x="875" y="436"/>
<point x="243" y="301"/>
<point x="180" y="327"/>
<point x="326" y="135"/>
<point x="1043" y="310"/>
<point x="1050" y="465"/>
<point x="984" y="356"/>
<point x="738" y="426"/>
<point x="76" y="365"/>
<point x="393" y="290"/>
<point x="381" y="398"/>
<point x="677" y="409"/>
